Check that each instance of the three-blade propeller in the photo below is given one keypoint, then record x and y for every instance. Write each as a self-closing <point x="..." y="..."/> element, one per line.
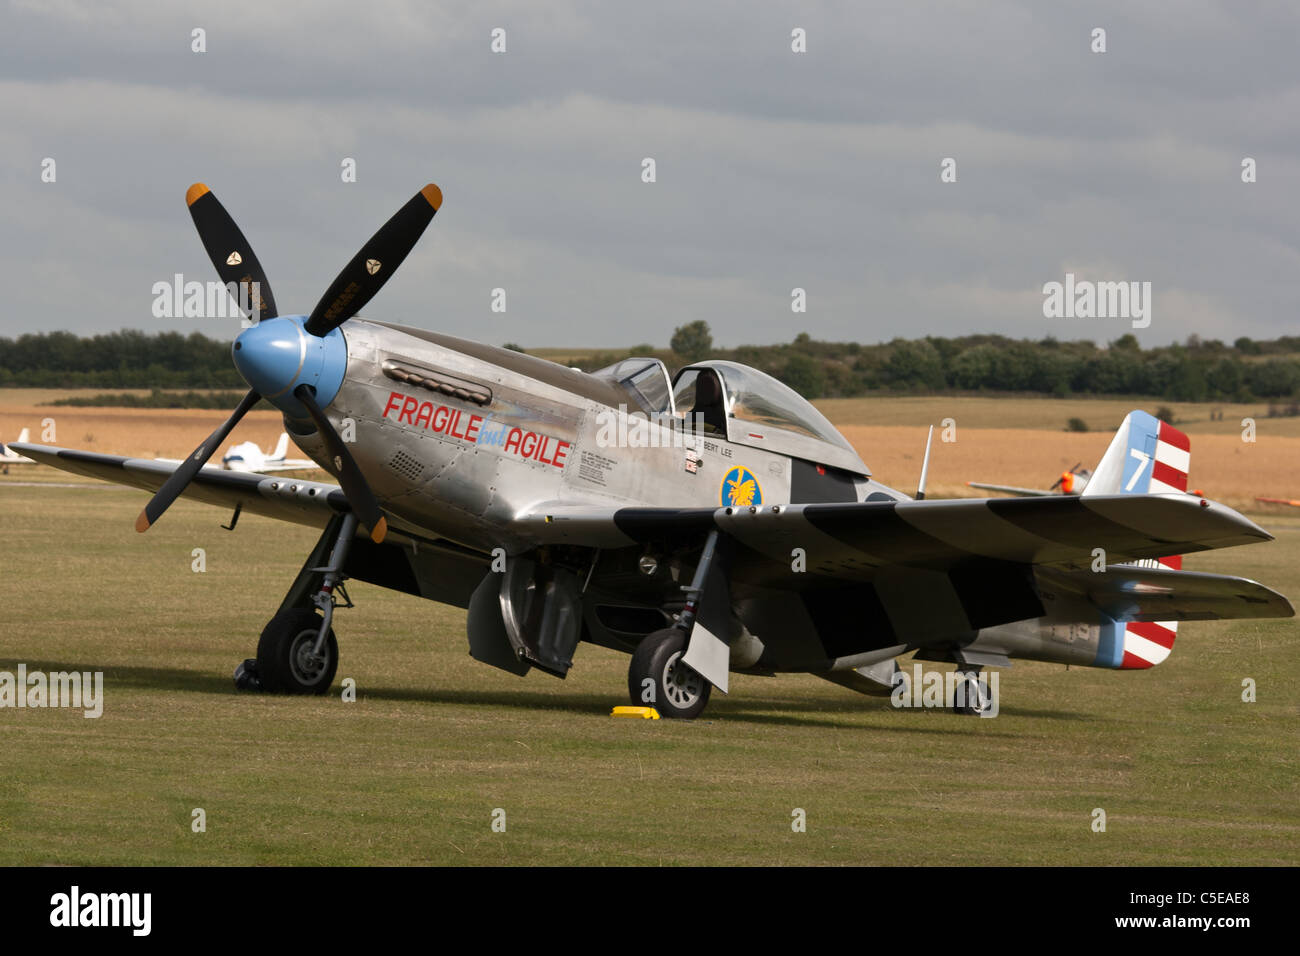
<point x="355" y="286"/>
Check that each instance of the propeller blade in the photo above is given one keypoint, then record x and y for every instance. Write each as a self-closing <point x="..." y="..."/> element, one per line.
<point x="358" y="492"/>
<point x="378" y="259"/>
<point x="187" y="469"/>
<point x="230" y="251"/>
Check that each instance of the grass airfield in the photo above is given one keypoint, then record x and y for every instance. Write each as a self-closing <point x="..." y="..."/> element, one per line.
<point x="412" y="771"/>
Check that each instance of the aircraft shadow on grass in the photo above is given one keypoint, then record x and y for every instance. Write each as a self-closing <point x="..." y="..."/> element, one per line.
<point x="783" y="712"/>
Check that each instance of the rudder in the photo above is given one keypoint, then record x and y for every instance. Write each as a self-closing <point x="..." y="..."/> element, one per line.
<point x="1146" y="456"/>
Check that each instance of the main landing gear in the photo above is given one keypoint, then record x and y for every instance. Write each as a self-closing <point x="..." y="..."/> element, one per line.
<point x="658" y="678"/>
<point x="297" y="652"/>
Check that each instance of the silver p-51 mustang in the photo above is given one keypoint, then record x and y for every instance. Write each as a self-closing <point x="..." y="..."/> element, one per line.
<point x="708" y="523"/>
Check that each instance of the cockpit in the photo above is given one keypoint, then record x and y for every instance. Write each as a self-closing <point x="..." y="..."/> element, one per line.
<point x="737" y="403"/>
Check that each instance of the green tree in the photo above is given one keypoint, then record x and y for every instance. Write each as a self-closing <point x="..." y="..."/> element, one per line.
<point x="1225" y="378"/>
<point x="975" y="368"/>
<point x="804" y="374"/>
<point x="913" y="365"/>
<point x="692" y="341"/>
<point x="1275" y="379"/>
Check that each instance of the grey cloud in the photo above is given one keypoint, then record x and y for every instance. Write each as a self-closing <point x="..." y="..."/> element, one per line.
<point x="775" y="170"/>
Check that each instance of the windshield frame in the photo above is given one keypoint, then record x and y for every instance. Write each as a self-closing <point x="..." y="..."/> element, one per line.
<point x="621" y="374"/>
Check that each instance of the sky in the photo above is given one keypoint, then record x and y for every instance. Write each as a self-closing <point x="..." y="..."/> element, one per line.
<point x="774" y="169"/>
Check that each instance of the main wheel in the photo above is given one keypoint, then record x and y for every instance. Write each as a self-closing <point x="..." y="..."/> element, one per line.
<point x="673" y="689"/>
<point x="286" y="663"/>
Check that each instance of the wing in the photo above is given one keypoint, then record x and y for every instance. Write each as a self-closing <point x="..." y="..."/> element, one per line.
<point x="289" y="464"/>
<point x="437" y="569"/>
<point x="855" y="541"/>
<point x="914" y="572"/>
<point x="10" y="457"/>
<point x="303" y="502"/>
<point x="1010" y="489"/>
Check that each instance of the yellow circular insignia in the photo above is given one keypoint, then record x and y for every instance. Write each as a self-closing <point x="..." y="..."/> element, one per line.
<point x="740" y="489"/>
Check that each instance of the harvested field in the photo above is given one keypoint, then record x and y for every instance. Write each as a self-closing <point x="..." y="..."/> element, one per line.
<point x="1032" y="453"/>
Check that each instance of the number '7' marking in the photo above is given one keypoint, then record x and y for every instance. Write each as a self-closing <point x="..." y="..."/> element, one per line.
<point x="1142" y="458"/>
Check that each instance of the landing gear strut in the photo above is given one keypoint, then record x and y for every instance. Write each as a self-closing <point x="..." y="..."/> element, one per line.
<point x="659" y="676"/>
<point x="297" y="652"/>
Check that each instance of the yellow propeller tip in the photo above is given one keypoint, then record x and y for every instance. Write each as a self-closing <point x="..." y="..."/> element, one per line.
<point x="195" y="193"/>
<point x="433" y="194"/>
<point x="142" y="523"/>
<point x="378" y="532"/>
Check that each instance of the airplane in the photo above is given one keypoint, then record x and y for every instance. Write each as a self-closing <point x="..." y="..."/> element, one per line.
<point x="9" y="457"/>
<point x="705" y="523"/>
<point x="1070" y="482"/>
<point x="249" y="457"/>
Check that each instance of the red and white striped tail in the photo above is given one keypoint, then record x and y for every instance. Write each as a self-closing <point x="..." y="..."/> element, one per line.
<point x="1146" y="456"/>
<point x="1173" y="456"/>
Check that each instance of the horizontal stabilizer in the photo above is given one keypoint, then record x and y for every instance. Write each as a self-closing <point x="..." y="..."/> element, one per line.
<point x="1126" y="593"/>
<point x="1009" y="489"/>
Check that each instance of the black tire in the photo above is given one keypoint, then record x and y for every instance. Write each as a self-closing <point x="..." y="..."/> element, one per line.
<point x="284" y="650"/>
<point x="678" y="691"/>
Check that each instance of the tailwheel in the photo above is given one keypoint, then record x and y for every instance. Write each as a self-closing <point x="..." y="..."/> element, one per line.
<point x="658" y="678"/>
<point x="246" y="675"/>
<point x="288" y="661"/>
<point x="972" y="695"/>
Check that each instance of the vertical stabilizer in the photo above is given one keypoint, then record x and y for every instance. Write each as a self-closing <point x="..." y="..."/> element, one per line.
<point x="1146" y="457"/>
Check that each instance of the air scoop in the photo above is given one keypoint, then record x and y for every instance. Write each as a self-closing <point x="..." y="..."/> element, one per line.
<point x="276" y="356"/>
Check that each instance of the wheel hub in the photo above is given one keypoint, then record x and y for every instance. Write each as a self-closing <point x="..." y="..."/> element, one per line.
<point x="682" y="686"/>
<point x="306" y="665"/>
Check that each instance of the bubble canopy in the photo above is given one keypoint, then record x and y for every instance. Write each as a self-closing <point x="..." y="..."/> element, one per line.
<point x="765" y="413"/>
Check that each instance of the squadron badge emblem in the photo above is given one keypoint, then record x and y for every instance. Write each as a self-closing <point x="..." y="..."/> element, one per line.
<point x="740" y="489"/>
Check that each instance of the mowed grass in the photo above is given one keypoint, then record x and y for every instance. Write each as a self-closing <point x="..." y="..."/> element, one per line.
<point x="412" y="771"/>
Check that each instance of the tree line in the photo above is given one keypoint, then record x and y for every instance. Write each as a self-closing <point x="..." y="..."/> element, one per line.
<point x="126" y="359"/>
<point x="1194" y="370"/>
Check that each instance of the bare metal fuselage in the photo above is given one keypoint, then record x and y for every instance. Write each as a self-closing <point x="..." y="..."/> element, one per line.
<point x="463" y="469"/>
